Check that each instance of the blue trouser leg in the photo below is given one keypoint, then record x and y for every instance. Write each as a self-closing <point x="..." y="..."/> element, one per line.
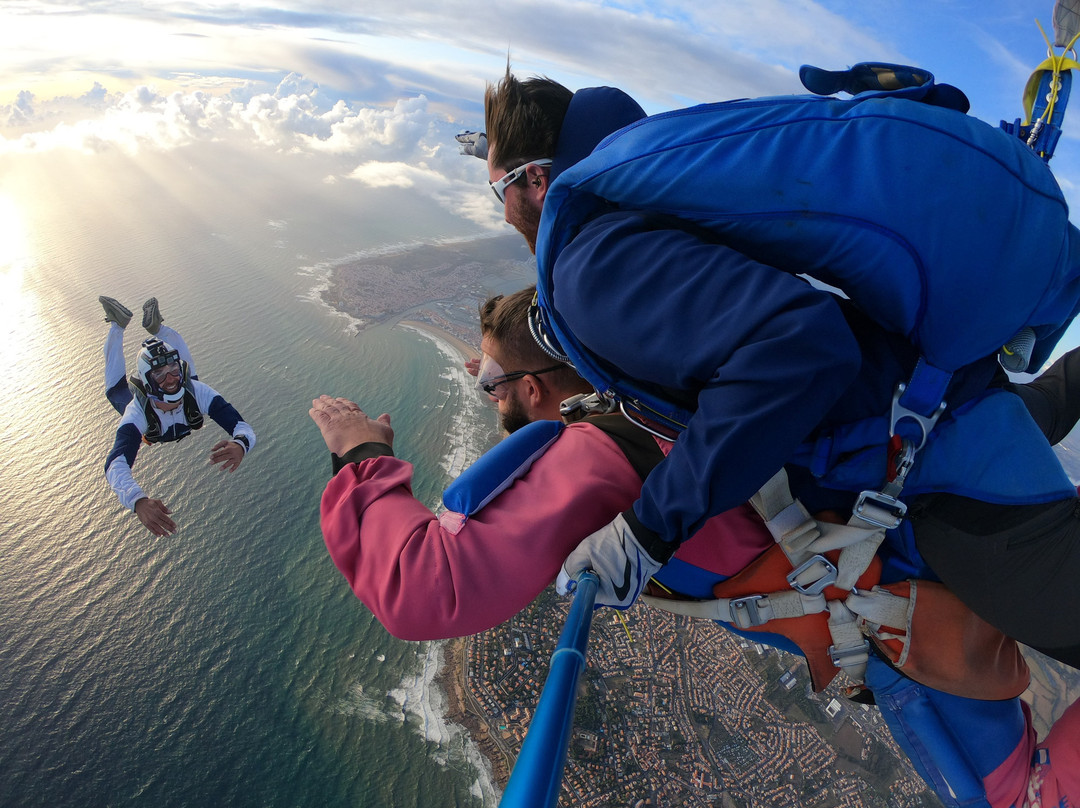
<point x="953" y="742"/>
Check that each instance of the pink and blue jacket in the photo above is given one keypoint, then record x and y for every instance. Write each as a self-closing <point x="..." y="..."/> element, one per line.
<point x="515" y="515"/>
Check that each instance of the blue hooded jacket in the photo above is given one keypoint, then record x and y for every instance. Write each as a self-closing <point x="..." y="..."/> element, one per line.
<point x="767" y="365"/>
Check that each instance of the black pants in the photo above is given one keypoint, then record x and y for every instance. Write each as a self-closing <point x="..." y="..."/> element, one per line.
<point x="1017" y="567"/>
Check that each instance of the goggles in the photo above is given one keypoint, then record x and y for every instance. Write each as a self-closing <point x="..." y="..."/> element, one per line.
<point x="500" y="185"/>
<point x="160" y="372"/>
<point x="491" y="375"/>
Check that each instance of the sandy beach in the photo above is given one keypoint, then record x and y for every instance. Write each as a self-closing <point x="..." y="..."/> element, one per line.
<point x="465" y="349"/>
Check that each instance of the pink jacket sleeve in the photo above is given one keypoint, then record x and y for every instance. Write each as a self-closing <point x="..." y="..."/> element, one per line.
<point x="425" y="581"/>
<point x="1046" y="775"/>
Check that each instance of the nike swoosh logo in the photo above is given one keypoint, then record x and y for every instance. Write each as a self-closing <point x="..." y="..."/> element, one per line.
<point x="623" y="589"/>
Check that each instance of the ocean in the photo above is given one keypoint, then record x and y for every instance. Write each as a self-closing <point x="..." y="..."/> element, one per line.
<point x="228" y="664"/>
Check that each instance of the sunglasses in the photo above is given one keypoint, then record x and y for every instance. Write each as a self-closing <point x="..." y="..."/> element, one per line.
<point x="500" y="185"/>
<point x="489" y="385"/>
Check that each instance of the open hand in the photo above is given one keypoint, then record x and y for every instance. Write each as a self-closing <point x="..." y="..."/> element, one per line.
<point x="228" y="453"/>
<point x="154" y="514"/>
<point x="345" y="426"/>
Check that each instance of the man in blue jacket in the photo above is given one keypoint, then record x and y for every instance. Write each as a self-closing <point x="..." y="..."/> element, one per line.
<point x="767" y="365"/>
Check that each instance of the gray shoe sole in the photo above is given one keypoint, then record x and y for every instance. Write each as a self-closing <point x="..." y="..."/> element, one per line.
<point x="151" y="318"/>
<point x="115" y="311"/>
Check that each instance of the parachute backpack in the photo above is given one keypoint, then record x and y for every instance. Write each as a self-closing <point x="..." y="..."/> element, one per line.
<point x="836" y="189"/>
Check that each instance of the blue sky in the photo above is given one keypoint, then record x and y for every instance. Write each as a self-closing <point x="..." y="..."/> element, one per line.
<point x="373" y="92"/>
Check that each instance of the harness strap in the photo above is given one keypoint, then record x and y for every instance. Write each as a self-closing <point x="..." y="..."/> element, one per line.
<point x="850" y="649"/>
<point x="804" y="539"/>
<point x="752" y="611"/>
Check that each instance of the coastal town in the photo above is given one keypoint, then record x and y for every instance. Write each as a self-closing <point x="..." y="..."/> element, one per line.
<point x="679" y="712"/>
<point x="438" y="285"/>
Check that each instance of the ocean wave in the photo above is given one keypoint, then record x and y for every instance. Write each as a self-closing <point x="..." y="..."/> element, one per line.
<point x="423" y="703"/>
<point x="419" y="695"/>
<point x="463" y="439"/>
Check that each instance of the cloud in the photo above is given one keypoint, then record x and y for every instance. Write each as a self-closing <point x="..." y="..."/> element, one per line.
<point x="390" y="85"/>
<point x="292" y="116"/>
<point x="22" y="111"/>
<point x="397" y="175"/>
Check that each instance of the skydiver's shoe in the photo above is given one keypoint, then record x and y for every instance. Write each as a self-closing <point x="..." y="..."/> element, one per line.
<point x="151" y="316"/>
<point x="115" y="311"/>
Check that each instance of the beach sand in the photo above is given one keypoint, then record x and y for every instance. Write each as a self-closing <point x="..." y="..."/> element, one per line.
<point x="465" y="349"/>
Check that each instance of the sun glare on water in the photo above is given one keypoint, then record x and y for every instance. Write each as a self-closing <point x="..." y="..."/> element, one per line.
<point x="14" y="259"/>
<point x="14" y="244"/>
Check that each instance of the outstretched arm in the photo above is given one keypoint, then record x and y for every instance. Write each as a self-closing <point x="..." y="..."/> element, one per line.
<point x="344" y="426"/>
<point x="427" y="577"/>
<point x="229" y="453"/>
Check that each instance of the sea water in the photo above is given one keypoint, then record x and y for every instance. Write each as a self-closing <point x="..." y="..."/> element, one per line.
<point x="228" y="664"/>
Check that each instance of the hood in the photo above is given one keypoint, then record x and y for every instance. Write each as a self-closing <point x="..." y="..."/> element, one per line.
<point x="593" y="114"/>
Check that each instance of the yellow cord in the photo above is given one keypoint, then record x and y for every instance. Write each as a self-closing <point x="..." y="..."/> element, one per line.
<point x="653" y="580"/>
<point x="1056" y="64"/>
<point x="626" y="628"/>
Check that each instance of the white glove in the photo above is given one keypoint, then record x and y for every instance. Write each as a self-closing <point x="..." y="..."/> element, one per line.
<point x="614" y="554"/>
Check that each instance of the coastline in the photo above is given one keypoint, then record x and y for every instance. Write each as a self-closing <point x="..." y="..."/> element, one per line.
<point x="453" y="674"/>
<point x="451" y="679"/>
<point x="462" y="347"/>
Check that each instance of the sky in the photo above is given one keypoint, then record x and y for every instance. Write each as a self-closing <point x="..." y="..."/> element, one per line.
<point x="372" y="93"/>
<point x="349" y="110"/>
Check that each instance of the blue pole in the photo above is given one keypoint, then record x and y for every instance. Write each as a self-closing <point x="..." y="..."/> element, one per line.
<point x="537" y="776"/>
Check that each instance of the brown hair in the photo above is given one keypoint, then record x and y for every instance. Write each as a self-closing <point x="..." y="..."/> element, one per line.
<point x="505" y="321"/>
<point x="523" y="119"/>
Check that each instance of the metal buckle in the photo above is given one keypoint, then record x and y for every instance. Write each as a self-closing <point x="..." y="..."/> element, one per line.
<point x="894" y="509"/>
<point x="587" y="403"/>
<point x="900" y="412"/>
<point x="838" y="655"/>
<point x="817" y="586"/>
<point x="745" y="613"/>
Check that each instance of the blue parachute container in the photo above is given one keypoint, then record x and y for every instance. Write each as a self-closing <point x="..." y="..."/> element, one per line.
<point x="941" y="227"/>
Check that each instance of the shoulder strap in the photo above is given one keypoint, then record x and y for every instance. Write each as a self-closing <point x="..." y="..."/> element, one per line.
<point x="638" y="445"/>
<point x="153" y="422"/>
<point x="192" y="412"/>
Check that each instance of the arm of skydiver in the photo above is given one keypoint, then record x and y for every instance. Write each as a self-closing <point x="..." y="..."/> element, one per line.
<point x="767" y="354"/>
<point x="153" y="513"/>
<point x="121" y="458"/>
<point x="1053" y="399"/>
<point x="229" y="453"/>
<point x="430" y="577"/>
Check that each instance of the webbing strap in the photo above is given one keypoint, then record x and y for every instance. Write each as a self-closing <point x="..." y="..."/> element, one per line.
<point x="752" y="611"/>
<point x="850" y="650"/>
<point x="801" y="537"/>
<point x="882" y="607"/>
<point x="925" y="390"/>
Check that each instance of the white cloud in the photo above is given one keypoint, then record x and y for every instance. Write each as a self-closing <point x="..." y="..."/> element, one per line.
<point x="397" y="175"/>
<point x="388" y="86"/>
